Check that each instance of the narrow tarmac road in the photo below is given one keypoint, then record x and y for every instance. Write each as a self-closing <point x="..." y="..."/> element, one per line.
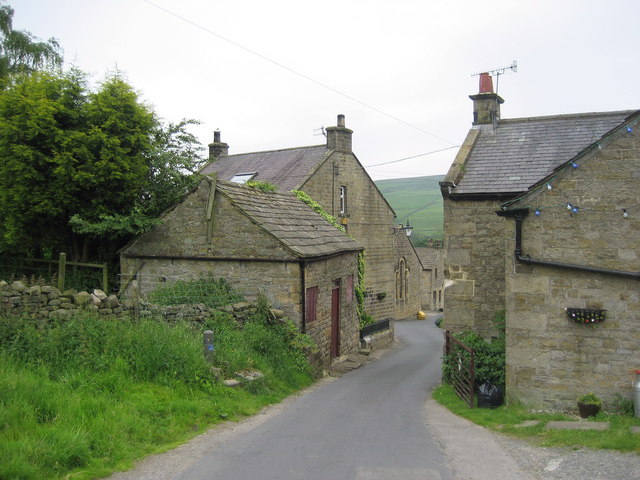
<point x="366" y="425"/>
<point x="378" y="422"/>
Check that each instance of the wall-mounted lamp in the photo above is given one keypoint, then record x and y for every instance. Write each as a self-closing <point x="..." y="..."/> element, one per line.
<point x="408" y="229"/>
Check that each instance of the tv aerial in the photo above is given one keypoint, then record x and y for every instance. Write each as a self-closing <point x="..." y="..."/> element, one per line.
<point x="496" y="72"/>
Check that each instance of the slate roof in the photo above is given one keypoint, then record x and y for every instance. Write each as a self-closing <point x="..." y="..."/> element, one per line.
<point x="523" y="151"/>
<point x="288" y="169"/>
<point x="290" y="220"/>
<point x="428" y="257"/>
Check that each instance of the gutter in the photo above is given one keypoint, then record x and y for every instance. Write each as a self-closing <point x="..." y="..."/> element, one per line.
<point x="519" y="215"/>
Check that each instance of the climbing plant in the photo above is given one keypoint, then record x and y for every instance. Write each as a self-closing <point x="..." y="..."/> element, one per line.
<point x="360" y="289"/>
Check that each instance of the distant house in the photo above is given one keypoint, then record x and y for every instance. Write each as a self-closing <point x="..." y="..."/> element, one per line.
<point x="432" y="260"/>
<point x="261" y="243"/>
<point x="541" y="215"/>
<point x="332" y="175"/>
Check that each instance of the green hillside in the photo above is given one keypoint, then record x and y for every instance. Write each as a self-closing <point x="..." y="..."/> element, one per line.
<point x="419" y="200"/>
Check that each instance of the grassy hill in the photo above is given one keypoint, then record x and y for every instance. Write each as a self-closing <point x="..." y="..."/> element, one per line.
<point x="417" y="199"/>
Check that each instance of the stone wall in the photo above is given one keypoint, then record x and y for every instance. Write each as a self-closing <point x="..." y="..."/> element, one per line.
<point x="474" y="264"/>
<point x="368" y="219"/>
<point x="43" y="301"/>
<point x="279" y="282"/>
<point x="551" y="359"/>
<point x="325" y="275"/>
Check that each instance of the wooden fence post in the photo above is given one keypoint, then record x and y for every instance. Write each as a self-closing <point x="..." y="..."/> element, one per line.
<point x="62" y="266"/>
<point x="105" y="278"/>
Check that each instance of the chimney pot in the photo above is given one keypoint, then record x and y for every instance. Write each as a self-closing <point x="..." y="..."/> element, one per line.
<point x="339" y="137"/>
<point x="486" y="83"/>
<point x="217" y="148"/>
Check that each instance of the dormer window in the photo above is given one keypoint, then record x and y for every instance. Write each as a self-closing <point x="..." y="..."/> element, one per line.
<point x="243" y="177"/>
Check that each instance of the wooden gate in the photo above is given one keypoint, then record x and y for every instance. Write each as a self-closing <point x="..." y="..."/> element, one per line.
<point x="461" y="374"/>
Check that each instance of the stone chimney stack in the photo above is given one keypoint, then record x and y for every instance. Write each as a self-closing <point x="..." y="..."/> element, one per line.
<point x="339" y="138"/>
<point x="486" y="104"/>
<point x="217" y="148"/>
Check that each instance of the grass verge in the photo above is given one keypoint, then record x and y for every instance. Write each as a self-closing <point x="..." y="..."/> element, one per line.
<point x="84" y="397"/>
<point x="505" y="419"/>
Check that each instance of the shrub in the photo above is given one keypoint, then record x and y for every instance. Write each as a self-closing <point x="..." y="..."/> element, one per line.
<point x="206" y="289"/>
<point x="489" y="356"/>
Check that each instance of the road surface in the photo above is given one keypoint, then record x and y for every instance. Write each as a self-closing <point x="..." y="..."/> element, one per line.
<point x="369" y="424"/>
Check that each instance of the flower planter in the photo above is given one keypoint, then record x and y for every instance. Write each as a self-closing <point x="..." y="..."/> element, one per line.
<point x="587" y="410"/>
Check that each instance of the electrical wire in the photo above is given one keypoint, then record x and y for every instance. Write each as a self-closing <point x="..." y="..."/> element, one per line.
<point x="414" y="156"/>
<point x="295" y="72"/>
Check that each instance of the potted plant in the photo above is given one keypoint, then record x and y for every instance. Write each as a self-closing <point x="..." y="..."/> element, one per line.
<point x="589" y="405"/>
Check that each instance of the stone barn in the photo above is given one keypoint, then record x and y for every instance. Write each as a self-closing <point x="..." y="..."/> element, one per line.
<point x="261" y="243"/>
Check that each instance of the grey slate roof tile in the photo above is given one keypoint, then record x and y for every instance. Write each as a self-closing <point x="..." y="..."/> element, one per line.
<point x="291" y="221"/>
<point x="523" y="151"/>
<point x="287" y="168"/>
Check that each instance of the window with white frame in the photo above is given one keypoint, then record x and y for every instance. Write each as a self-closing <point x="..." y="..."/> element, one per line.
<point x="343" y="201"/>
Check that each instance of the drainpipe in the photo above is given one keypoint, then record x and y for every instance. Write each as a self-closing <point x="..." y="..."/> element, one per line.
<point x="519" y="216"/>
<point x="303" y="295"/>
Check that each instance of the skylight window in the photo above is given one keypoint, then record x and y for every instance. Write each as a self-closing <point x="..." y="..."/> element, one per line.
<point x="243" y="177"/>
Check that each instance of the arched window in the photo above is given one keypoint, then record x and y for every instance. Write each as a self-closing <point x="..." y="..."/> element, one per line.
<point x="402" y="279"/>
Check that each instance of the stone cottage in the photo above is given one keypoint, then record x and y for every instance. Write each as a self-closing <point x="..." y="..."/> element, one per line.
<point x="572" y="271"/>
<point x="332" y="175"/>
<point x="432" y="260"/>
<point x="499" y="160"/>
<point x="557" y="177"/>
<point x="261" y="243"/>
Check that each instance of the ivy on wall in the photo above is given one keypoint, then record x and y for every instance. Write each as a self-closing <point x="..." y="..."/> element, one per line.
<point x="364" y="317"/>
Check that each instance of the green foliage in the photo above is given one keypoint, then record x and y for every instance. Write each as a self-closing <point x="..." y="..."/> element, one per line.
<point x="489" y="356"/>
<point x="590" y="399"/>
<point x="114" y="226"/>
<point x="83" y="397"/>
<point x="148" y="350"/>
<point x="206" y="290"/>
<point x="418" y="199"/>
<point x="20" y="52"/>
<point x="360" y="288"/>
<point x="622" y="406"/>
<point x="318" y="209"/>
<point x="262" y="186"/>
<point x="100" y="158"/>
<point x="507" y="419"/>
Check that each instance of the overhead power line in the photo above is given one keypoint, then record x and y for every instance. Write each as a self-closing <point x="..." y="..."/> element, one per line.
<point x="413" y="156"/>
<point x="295" y="72"/>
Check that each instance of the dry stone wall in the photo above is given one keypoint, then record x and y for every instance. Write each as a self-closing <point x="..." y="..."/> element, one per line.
<point x="44" y="301"/>
<point x="18" y="299"/>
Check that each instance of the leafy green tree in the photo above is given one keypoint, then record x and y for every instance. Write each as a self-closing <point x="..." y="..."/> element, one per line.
<point x="82" y="171"/>
<point x="20" y="52"/>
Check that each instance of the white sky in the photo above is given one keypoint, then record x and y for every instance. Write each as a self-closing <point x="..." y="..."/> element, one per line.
<point x="411" y="59"/>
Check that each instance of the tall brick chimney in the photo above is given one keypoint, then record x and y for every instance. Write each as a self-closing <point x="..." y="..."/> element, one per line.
<point x="339" y="138"/>
<point x="217" y="148"/>
<point x="486" y="104"/>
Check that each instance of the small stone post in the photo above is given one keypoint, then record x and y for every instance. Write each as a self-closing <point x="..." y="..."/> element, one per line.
<point x="208" y="345"/>
<point x="135" y="298"/>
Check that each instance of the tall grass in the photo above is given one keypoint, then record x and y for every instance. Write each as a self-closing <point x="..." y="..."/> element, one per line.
<point x="87" y="396"/>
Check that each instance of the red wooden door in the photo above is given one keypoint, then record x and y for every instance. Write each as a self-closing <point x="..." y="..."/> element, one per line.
<point x="335" y="319"/>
